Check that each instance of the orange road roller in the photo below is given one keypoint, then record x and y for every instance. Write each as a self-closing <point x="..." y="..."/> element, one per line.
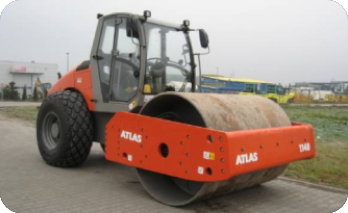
<point x="139" y="97"/>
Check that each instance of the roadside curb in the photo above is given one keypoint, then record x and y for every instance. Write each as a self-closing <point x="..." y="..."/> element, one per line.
<point x="316" y="186"/>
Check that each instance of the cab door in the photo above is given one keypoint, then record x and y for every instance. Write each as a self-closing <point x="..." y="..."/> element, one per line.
<point x="125" y="65"/>
<point x="115" y="65"/>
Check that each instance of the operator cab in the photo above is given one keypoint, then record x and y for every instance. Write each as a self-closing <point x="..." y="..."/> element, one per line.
<point x="134" y="57"/>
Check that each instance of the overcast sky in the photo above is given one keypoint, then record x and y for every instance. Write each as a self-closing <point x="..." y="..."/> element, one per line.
<point x="282" y="41"/>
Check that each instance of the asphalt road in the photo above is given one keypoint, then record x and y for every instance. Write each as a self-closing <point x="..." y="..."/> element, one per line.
<point x="27" y="184"/>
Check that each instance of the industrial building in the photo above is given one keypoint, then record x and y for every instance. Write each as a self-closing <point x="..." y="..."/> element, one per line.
<point x="338" y="87"/>
<point x="26" y="74"/>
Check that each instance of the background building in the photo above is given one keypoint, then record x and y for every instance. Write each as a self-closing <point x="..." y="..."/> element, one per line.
<point x="333" y="86"/>
<point x="334" y="91"/>
<point x="26" y="74"/>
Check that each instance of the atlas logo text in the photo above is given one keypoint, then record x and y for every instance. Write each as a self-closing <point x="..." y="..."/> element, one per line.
<point x="131" y="136"/>
<point x="247" y="158"/>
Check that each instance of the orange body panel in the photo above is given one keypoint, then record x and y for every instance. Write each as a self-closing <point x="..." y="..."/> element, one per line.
<point x="67" y="81"/>
<point x="77" y="80"/>
<point x="202" y="154"/>
<point x="83" y="84"/>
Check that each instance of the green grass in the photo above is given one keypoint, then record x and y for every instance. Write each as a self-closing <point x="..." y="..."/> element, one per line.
<point x="330" y="166"/>
<point x="26" y="113"/>
<point x="330" y="123"/>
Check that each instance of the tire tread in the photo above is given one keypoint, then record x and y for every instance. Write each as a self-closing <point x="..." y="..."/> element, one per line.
<point x="80" y="128"/>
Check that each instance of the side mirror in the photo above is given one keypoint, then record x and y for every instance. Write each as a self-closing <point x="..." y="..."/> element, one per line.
<point x="203" y="36"/>
<point x="132" y="28"/>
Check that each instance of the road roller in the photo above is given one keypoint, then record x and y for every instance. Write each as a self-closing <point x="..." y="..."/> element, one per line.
<point x="139" y="97"/>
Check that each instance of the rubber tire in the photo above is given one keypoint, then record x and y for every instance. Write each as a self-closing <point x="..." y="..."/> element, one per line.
<point x="75" y="126"/>
<point x="102" y="146"/>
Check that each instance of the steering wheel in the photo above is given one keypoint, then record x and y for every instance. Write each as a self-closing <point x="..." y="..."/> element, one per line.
<point x="169" y="63"/>
<point x="149" y="59"/>
<point x="184" y="71"/>
<point x="129" y="63"/>
<point x="148" y="63"/>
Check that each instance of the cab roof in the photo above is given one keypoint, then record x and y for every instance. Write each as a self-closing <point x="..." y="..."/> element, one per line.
<point x="148" y="20"/>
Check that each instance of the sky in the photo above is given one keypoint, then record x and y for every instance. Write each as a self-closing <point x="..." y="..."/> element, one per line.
<point x="281" y="41"/>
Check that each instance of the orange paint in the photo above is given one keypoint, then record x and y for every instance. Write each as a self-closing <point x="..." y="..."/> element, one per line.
<point x="85" y="86"/>
<point x="202" y="154"/>
<point x="80" y="81"/>
<point x="67" y="81"/>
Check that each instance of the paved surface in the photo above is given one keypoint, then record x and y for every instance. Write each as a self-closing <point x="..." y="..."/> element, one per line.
<point x="27" y="184"/>
<point x="18" y="104"/>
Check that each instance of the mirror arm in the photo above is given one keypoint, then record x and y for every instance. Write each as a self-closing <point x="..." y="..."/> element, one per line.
<point x="131" y="31"/>
<point x="199" y="68"/>
<point x="185" y="59"/>
<point x="199" y="72"/>
<point x="206" y="53"/>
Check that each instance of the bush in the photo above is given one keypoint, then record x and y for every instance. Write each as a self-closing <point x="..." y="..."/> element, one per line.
<point x="10" y="92"/>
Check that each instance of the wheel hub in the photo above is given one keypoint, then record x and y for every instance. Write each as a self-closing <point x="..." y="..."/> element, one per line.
<point x="55" y="130"/>
<point x="51" y="131"/>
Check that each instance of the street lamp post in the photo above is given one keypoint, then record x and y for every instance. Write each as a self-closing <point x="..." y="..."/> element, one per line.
<point x="217" y="70"/>
<point x="2" y="91"/>
<point x="67" y="61"/>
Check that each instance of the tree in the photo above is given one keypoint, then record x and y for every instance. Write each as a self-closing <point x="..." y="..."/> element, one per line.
<point x="24" y="95"/>
<point x="10" y="92"/>
<point x="35" y="96"/>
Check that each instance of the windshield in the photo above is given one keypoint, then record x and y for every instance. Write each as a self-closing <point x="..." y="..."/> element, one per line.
<point x="168" y="60"/>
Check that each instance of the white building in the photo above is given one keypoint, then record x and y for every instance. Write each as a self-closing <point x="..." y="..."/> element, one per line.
<point x="26" y="74"/>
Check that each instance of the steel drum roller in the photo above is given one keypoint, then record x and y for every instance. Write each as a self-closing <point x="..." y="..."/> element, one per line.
<point x="214" y="111"/>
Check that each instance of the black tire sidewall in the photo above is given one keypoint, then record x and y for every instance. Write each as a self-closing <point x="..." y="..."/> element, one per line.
<point x="58" y="152"/>
<point x="75" y="127"/>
